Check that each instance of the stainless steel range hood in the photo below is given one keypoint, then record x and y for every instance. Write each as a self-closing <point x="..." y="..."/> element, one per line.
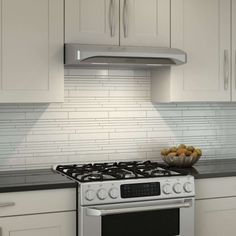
<point x="90" y="55"/>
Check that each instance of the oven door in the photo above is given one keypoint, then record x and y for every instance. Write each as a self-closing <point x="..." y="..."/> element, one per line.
<point x="150" y="218"/>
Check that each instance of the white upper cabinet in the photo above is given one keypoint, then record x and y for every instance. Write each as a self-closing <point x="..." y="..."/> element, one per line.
<point x="92" y="21"/>
<point x="31" y="62"/>
<point x="202" y="28"/>
<point x="145" y="23"/>
<point x="118" y="22"/>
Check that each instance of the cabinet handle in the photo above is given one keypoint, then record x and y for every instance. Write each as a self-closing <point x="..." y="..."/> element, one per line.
<point x="112" y="17"/>
<point x="125" y="18"/>
<point x="226" y="69"/>
<point x="7" y="204"/>
<point x="235" y="70"/>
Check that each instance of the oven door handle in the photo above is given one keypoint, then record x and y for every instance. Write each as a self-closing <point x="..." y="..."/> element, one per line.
<point x="151" y="207"/>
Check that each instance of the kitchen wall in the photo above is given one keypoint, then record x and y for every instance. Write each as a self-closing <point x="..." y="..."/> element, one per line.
<point x="107" y="115"/>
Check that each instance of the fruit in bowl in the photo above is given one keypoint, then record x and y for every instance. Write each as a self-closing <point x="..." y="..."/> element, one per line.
<point x="181" y="156"/>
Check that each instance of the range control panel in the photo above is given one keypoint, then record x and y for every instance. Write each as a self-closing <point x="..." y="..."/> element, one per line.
<point x="118" y="191"/>
<point x="140" y="190"/>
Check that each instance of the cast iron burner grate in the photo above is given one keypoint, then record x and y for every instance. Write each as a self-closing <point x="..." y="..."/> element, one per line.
<point x="115" y="171"/>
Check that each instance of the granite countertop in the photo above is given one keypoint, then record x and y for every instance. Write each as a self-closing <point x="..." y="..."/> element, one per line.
<point x="28" y="180"/>
<point x="212" y="168"/>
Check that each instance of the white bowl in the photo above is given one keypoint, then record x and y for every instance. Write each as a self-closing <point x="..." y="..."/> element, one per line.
<point x="182" y="162"/>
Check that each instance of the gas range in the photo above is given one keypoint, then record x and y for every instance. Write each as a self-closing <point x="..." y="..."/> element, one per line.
<point x="132" y="198"/>
<point x="115" y="182"/>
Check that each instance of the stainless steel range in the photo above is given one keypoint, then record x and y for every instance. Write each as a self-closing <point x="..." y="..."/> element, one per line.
<point x="132" y="199"/>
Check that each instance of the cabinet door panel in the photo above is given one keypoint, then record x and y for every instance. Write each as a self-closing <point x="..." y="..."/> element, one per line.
<point x="25" y="39"/>
<point x="215" y="217"/>
<point x="90" y="21"/>
<point x="202" y="29"/>
<point x="32" y="51"/>
<point x="54" y="224"/>
<point x="147" y="23"/>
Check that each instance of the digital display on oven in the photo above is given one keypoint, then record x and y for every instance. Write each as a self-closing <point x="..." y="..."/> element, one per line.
<point x="140" y="190"/>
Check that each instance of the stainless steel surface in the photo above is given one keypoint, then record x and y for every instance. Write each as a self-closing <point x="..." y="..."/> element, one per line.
<point x="112" y="17"/>
<point x="125" y="18"/>
<point x="91" y="226"/>
<point x="7" y="204"/>
<point x="145" y="206"/>
<point x="145" y="192"/>
<point x="226" y="69"/>
<point x="146" y="57"/>
<point x="1" y="231"/>
<point x="91" y="195"/>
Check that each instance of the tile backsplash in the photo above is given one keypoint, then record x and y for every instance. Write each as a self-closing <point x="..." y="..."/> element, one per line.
<point x="107" y="115"/>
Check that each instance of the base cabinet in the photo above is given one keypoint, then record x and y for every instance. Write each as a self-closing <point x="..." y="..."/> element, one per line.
<point x="38" y="213"/>
<point x="53" y="224"/>
<point x="216" y="217"/>
<point x="215" y="207"/>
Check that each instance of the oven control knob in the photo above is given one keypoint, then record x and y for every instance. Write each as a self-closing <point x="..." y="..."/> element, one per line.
<point x="102" y="194"/>
<point x="166" y="189"/>
<point x="113" y="193"/>
<point x="177" y="188"/>
<point x="188" y="187"/>
<point x="89" y="195"/>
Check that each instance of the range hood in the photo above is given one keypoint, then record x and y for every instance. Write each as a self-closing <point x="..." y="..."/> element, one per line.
<point x="90" y="55"/>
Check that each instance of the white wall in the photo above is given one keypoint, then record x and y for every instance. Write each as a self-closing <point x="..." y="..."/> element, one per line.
<point x="107" y="115"/>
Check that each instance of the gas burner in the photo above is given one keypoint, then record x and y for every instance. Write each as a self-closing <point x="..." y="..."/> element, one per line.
<point x="157" y="173"/>
<point x="91" y="177"/>
<point x="116" y="171"/>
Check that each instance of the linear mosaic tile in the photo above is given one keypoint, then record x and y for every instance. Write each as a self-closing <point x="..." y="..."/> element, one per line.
<point x="107" y="115"/>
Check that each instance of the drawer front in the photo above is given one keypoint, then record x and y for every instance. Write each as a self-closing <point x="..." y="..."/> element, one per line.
<point x="33" y="202"/>
<point x="215" y="187"/>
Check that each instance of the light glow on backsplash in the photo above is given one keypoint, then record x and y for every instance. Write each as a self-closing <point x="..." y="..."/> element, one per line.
<point x="107" y="116"/>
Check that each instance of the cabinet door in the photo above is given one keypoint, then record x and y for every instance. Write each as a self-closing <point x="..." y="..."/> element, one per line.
<point x="202" y="29"/>
<point x="31" y="61"/>
<point x="215" y="217"/>
<point x="234" y="50"/>
<point x="54" y="224"/>
<point x="145" y="23"/>
<point x="92" y="21"/>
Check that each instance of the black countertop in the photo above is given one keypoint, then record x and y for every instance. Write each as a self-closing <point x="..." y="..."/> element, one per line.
<point x="212" y="168"/>
<point x="28" y="180"/>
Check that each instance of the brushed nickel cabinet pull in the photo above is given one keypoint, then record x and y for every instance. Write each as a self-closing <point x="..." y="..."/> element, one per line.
<point x="226" y="69"/>
<point x="112" y="17"/>
<point x="7" y="204"/>
<point x="125" y="18"/>
<point x="235" y="69"/>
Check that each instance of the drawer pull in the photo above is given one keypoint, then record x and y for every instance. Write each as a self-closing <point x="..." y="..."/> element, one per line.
<point x="7" y="204"/>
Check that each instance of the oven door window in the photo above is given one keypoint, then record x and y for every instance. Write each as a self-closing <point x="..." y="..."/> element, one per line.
<point x="147" y="223"/>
